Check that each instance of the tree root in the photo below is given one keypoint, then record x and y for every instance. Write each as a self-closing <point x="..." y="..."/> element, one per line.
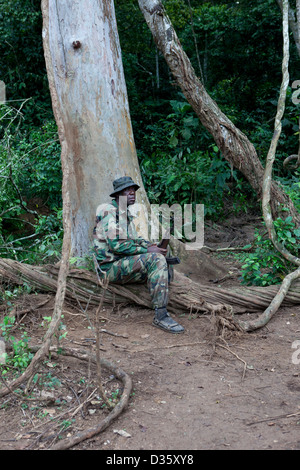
<point x="116" y="411"/>
<point x="266" y="316"/>
<point x="223" y="324"/>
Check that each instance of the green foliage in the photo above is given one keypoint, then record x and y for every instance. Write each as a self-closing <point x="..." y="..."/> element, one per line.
<point x="291" y="186"/>
<point x="237" y="43"/>
<point x="21" y="355"/>
<point x="41" y="159"/>
<point x="176" y="171"/>
<point x="84" y="262"/>
<point x="178" y="11"/>
<point x="29" y="161"/>
<point x="22" y="62"/>
<point x="49" y="230"/>
<point x="197" y="177"/>
<point x="44" y="245"/>
<point x="30" y="172"/>
<point x="8" y="294"/>
<point x="266" y="266"/>
<point x="62" y="329"/>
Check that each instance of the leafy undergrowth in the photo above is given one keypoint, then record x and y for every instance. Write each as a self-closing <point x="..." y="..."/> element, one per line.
<point x="61" y="398"/>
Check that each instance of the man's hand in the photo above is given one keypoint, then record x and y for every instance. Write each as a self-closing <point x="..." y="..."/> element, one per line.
<point x="156" y="249"/>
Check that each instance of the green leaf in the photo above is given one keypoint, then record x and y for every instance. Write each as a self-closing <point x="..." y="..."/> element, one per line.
<point x="173" y="141"/>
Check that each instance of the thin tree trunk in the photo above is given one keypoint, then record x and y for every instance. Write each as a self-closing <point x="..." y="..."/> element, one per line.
<point x="234" y="145"/>
<point x="298" y="24"/>
<point x="157" y="68"/>
<point x="266" y="199"/>
<point x="279" y="297"/>
<point x="62" y="274"/>
<point x="294" y="22"/>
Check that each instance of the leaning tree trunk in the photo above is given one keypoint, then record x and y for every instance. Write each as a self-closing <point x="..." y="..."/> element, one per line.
<point x="89" y="99"/>
<point x="233" y="144"/>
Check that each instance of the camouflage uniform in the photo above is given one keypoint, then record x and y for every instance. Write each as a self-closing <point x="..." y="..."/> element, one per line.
<point x="123" y="256"/>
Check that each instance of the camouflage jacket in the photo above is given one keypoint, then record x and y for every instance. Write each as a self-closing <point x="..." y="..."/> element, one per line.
<point x="115" y="237"/>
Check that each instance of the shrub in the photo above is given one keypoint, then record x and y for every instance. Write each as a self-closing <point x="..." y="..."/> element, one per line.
<point x="266" y="266"/>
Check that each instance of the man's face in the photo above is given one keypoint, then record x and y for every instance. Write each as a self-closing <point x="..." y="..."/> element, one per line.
<point x="130" y="194"/>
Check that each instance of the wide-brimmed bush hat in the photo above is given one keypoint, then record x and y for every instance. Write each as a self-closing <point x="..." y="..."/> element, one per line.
<point x="123" y="183"/>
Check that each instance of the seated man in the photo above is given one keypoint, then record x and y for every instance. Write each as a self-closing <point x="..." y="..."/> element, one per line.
<point x="123" y="257"/>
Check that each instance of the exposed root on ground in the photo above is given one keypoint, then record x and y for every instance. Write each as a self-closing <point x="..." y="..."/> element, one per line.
<point x="69" y="442"/>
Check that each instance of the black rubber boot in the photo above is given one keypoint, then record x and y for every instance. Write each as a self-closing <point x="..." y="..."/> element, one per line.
<point x="163" y="320"/>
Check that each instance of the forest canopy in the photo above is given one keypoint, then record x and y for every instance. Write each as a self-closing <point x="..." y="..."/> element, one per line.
<point x="235" y="48"/>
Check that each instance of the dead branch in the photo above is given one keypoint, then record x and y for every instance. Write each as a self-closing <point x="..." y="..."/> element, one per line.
<point x="234" y="354"/>
<point x="229" y="248"/>
<point x="271" y="418"/>
<point x="117" y="410"/>
<point x="288" y="160"/>
<point x="18" y="313"/>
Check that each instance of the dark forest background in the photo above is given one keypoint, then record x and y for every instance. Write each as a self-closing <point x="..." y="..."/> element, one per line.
<point x="236" y="50"/>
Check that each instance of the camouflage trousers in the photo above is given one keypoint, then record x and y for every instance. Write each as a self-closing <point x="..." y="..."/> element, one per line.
<point x="148" y="267"/>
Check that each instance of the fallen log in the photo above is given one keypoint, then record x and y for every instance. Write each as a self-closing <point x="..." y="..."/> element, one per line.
<point x="185" y="294"/>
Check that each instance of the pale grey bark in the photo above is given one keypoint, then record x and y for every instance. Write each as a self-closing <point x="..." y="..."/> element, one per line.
<point x="294" y="22"/>
<point x="89" y="97"/>
<point x="263" y="319"/>
<point x="266" y="200"/>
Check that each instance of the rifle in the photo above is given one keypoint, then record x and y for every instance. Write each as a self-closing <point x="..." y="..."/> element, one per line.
<point x="166" y="239"/>
<point x="164" y="243"/>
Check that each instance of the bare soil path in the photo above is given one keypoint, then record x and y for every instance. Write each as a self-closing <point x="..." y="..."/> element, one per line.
<point x="244" y="394"/>
<point x="189" y="393"/>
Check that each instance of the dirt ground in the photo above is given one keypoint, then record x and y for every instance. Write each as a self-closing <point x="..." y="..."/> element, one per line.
<point x="189" y="393"/>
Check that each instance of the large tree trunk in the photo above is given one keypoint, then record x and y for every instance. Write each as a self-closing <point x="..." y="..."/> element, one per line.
<point x="233" y="144"/>
<point x="89" y="98"/>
